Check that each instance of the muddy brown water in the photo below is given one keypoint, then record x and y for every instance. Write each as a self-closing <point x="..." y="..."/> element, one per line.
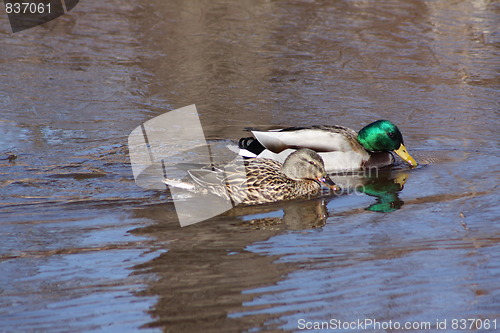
<point x="85" y="249"/>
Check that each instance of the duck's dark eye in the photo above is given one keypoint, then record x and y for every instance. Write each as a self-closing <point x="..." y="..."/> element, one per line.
<point x="390" y="134"/>
<point x="311" y="162"/>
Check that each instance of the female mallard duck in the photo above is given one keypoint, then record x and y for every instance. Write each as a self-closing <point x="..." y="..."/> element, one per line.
<point x="258" y="181"/>
<point x="340" y="147"/>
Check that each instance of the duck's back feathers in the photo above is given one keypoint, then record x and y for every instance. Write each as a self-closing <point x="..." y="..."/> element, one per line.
<point x="317" y="138"/>
<point x="253" y="181"/>
<point x="337" y="145"/>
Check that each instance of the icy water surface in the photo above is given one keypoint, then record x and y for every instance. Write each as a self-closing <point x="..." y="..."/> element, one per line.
<point x="84" y="249"/>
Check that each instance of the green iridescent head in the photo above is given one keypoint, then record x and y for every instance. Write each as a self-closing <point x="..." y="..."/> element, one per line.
<point x="383" y="135"/>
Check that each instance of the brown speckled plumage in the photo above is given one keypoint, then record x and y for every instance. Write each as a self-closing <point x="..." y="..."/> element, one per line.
<point x="259" y="181"/>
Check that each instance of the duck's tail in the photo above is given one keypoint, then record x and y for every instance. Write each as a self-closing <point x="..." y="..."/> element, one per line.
<point x="180" y="184"/>
<point x="250" y="147"/>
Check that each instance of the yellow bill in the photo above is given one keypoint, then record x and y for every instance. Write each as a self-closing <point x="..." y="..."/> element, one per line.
<point x="401" y="151"/>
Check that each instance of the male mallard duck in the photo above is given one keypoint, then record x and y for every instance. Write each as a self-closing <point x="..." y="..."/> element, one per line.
<point x="340" y="147"/>
<point x="258" y="181"/>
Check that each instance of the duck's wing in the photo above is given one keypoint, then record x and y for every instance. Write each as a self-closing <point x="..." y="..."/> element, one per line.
<point x="318" y="138"/>
<point x="225" y="181"/>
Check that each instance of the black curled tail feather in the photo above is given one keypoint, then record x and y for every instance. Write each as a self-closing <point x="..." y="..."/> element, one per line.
<point x="251" y="144"/>
<point x="244" y="142"/>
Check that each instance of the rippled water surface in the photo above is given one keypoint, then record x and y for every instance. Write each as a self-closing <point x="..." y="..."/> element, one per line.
<point x="85" y="249"/>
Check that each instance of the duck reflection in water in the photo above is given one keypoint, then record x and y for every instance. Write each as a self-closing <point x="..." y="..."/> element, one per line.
<point x="297" y="215"/>
<point x="313" y="213"/>
<point x="387" y="193"/>
<point x="383" y="184"/>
